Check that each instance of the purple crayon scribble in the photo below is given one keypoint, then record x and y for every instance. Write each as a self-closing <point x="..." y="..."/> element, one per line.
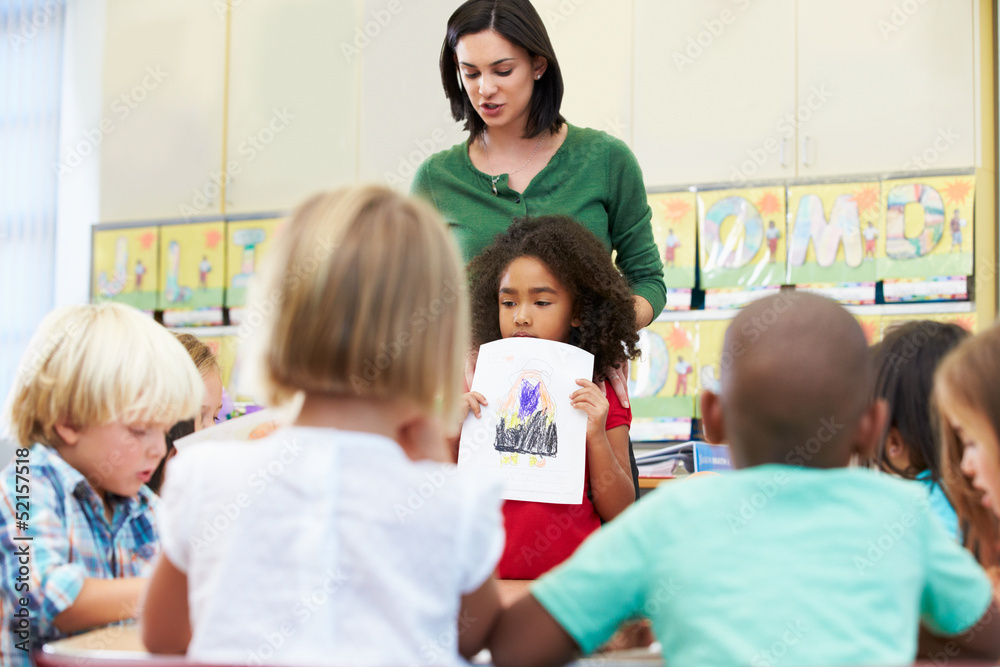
<point x="529" y="399"/>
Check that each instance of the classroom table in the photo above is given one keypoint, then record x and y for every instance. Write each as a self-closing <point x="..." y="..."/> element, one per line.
<point x="121" y="646"/>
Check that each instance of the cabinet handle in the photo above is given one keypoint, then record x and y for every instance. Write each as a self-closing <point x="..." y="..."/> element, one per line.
<point x="782" y="162"/>
<point x="806" y="145"/>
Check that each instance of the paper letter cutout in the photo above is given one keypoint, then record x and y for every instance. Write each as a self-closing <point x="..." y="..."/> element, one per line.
<point x="811" y="225"/>
<point x="897" y="244"/>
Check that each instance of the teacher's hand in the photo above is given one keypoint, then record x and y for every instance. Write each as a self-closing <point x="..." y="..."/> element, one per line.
<point x="618" y="377"/>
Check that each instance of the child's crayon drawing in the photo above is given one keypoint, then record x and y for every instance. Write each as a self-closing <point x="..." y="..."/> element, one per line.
<point x="927" y="228"/>
<point x="193" y="258"/>
<point x="248" y="243"/>
<point x="661" y="383"/>
<point x="675" y="231"/>
<point x="529" y="419"/>
<point x="742" y="237"/>
<point x="833" y="233"/>
<point x="125" y="266"/>
<point x="528" y="415"/>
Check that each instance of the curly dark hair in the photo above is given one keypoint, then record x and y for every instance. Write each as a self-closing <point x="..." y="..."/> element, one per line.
<point x="602" y="299"/>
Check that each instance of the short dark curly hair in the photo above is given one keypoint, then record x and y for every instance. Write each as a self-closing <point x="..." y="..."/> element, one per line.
<point x="602" y="299"/>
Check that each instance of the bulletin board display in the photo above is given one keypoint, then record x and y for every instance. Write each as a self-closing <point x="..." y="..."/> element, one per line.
<point x="833" y="233"/>
<point x="675" y="232"/>
<point x="247" y="243"/>
<point x="125" y="266"/>
<point x="193" y="266"/>
<point x="741" y="236"/>
<point x="927" y="227"/>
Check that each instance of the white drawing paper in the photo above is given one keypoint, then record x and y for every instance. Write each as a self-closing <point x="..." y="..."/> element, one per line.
<point x="529" y="431"/>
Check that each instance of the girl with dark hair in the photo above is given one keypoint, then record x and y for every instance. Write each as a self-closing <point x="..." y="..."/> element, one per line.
<point x="522" y="158"/>
<point x="904" y="364"/>
<point x="549" y="278"/>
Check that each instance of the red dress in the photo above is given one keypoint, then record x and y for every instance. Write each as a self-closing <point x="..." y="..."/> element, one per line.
<point x="542" y="535"/>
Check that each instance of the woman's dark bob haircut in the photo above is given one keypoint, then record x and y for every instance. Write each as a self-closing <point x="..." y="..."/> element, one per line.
<point x="518" y="23"/>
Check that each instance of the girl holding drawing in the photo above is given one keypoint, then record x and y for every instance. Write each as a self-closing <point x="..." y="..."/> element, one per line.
<point x="552" y="279"/>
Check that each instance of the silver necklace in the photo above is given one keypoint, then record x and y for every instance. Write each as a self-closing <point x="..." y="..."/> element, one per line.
<point x="494" y="179"/>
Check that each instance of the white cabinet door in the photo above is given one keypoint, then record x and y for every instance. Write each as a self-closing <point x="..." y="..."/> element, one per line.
<point x="406" y="115"/>
<point x="592" y="40"/>
<point x="161" y="128"/>
<point x="885" y="85"/>
<point x="293" y="101"/>
<point x="714" y="87"/>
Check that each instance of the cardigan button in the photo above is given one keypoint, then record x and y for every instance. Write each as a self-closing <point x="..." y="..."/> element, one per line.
<point x="517" y="201"/>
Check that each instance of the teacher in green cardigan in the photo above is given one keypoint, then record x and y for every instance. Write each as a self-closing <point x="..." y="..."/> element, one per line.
<point x="522" y="158"/>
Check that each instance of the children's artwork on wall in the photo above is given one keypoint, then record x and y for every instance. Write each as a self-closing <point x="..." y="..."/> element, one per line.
<point x="939" y="288"/>
<point x="849" y="294"/>
<point x="529" y="433"/>
<point x="193" y="260"/>
<point x="833" y="232"/>
<point x="709" y="357"/>
<point x="928" y="227"/>
<point x="125" y="265"/>
<point x="661" y="384"/>
<point x="742" y="237"/>
<point x="675" y="230"/>
<point x="247" y="243"/>
<point x="724" y="298"/>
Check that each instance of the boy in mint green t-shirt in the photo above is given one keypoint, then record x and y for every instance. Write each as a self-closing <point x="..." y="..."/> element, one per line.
<point x="794" y="558"/>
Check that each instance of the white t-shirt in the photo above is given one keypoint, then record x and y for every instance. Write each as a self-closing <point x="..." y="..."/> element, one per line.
<point x="322" y="546"/>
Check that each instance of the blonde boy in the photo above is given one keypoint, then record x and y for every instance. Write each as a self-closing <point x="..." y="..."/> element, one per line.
<point x="97" y="389"/>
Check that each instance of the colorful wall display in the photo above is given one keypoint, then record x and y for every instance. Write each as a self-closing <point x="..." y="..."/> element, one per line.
<point x="247" y="243"/>
<point x="193" y="261"/>
<point x="711" y="336"/>
<point x="927" y="224"/>
<point x="125" y="266"/>
<point x="742" y="237"/>
<point x="675" y="230"/>
<point x="833" y="232"/>
<point x="662" y="382"/>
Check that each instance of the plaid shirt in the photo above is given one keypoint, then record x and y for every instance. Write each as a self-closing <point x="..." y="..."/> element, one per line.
<point x="71" y="540"/>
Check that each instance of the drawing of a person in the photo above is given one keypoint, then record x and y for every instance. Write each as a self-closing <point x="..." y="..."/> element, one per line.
<point x="871" y="236"/>
<point x="683" y="370"/>
<point x="772" y="234"/>
<point x="956" y="232"/>
<point x="528" y="414"/>
<point x="203" y="270"/>
<point x="140" y="271"/>
<point x="671" y="248"/>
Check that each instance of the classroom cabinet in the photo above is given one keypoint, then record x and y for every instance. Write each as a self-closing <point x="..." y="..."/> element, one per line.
<point x="731" y="91"/>
<point x="293" y="78"/>
<point x="176" y="146"/>
<point x="160" y="132"/>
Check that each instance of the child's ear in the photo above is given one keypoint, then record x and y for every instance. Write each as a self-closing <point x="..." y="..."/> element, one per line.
<point x="68" y="434"/>
<point x="712" y="423"/>
<point x="576" y="322"/>
<point x="871" y="429"/>
<point x="894" y="442"/>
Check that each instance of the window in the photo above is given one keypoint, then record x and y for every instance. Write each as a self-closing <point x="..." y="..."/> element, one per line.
<point x="31" y="51"/>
